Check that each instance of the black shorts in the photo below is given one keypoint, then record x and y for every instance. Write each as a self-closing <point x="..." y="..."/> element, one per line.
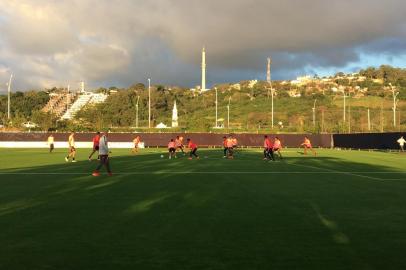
<point x="96" y="147"/>
<point x="172" y="150"/>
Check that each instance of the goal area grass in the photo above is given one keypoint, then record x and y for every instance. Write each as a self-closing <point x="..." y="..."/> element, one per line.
<point x="338" y="210"/>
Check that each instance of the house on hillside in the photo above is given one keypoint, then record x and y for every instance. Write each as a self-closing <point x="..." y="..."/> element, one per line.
<point x="295" y="93"/>
<point x="302" y="81"/>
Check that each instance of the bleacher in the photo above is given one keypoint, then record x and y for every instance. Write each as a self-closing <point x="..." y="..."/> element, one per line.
<point x="58" y="103"/>
<point x="82" y="100"/>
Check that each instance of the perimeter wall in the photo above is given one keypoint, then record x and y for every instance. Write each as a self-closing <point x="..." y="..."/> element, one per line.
<point x="123" y="140"/>
<point x="368" y="140"/>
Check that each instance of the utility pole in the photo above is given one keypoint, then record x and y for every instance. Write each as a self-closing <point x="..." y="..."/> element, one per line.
<point x="9" y="97"/>
<point x="228" y="113"/>
<point x="136" y="112"/>
<point x="314" y="113"/>
<point x="322" y="120"/>
<point x="268" y="74"/>
<point x="369" y="120"/>
<point x="381" y="116"/>
<point x="344" y="96"/>
<point x="149" y="103"/>
<point x="400" y="127"/>
<point x="216" y="126"/>
<point x="395" y="102"/>
<point x="67" y="97"/>
<point x="272" y="94"/>
<point x="349" y="118"/>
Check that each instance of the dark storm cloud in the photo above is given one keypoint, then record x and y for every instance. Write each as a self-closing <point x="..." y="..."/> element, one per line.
<point x="105" y="42"/>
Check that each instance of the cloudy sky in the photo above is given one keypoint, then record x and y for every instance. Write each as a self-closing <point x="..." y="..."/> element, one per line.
<point x="47" y="43"/>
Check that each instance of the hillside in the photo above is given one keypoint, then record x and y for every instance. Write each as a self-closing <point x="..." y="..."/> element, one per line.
<point x="250" y="106"/>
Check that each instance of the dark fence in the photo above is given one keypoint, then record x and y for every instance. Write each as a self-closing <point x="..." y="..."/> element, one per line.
<point x="368" y="140"/>
<point x="161" y="139"/>
<point x="355" y="141"/>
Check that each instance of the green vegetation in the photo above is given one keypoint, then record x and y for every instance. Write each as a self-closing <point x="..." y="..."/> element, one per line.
<point x="24" y="106"/>
<point x="340" y="210"/>
<point x="250" y="107"/>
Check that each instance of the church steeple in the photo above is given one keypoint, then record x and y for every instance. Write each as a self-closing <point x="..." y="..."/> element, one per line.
<point x="174" y="116"/>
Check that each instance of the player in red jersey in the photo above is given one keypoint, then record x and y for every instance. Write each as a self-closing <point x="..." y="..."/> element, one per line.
<point x="136" y="141"/>
<point x="277" y="146"/>
<point x="172" y="149"/>
<point x="193" y="149"/>
<point x="268" y="149"/>
<point x="96" y="140"/>
<point x="225" y="146"/>
<point x="308" y="145"/>
<point x="179" y="144"/>
<point x="230" y="147"/>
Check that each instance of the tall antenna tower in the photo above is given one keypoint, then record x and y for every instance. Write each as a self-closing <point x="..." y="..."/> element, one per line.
<point x="268" y="71"/>
<point x="203" y="70"/>
<point x="9" y="97"/>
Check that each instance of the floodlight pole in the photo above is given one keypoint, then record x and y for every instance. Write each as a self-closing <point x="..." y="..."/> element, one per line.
<point x="344" y="95"/>
<point x="349" y="118"/>
<point x="272" y="94"/>
<point x="136" y="112"/>
<point x="149" y="103"/>
<point x="9" y="97"/>
<point x="68" y="97"/>
<point x="228" y="113"/>
<point x="314" y="113"/>
<point x="322" y="120"/>
<point x="215" y="88"/>
<point x="395" y="101"/>
<point x="369" y="120"/>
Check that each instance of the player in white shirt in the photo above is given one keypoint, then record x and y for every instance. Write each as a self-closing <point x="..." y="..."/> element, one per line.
<point x="401" y="143"/>
<point x="72" y="149"/>
<point x="104" y="155"/>
<point x="51" y="141"/>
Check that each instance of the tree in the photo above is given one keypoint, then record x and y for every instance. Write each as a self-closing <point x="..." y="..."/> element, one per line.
<point x="45" y="121"/>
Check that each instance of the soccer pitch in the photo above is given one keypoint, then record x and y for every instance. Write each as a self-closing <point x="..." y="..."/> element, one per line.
<point x="339" y="210"/>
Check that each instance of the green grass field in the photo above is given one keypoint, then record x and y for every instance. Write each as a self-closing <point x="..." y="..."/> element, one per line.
<point x="340" y="210"/>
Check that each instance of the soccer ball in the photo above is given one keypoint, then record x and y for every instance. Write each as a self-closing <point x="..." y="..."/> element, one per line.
<point x="162" y="156"/>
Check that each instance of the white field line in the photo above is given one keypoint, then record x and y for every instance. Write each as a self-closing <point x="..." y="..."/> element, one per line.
<point x="358" y="174"/>
<point x="214" y="172"/>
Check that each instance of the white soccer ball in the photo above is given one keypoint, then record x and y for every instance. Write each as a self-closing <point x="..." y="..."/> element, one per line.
<point x="162" y="156"/>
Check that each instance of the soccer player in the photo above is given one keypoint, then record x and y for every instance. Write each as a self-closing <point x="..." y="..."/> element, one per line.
<point x="51" y="143"/>
<point x="96" y="140"/>
<point x="172" y="149"/>
<point x="268" y="149"/>
<point x="235" y="144"/>
<point x="230" y="147"/>
<point x="225" y="147"/>
<point x="72" y="149"/>
<point x="104" y="156"/>
<point x="277" y="146"/>
<point x="179" y="144"/>
<point x="193" y="149"/>
<point x="401" y="143"/>
<point x="308" y="145"/>
<point x="136" y="141"/>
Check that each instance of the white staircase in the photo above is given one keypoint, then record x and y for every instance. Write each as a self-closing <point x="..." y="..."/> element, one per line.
<point x="84" y="99"/>
<point x="98" y="98"/>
